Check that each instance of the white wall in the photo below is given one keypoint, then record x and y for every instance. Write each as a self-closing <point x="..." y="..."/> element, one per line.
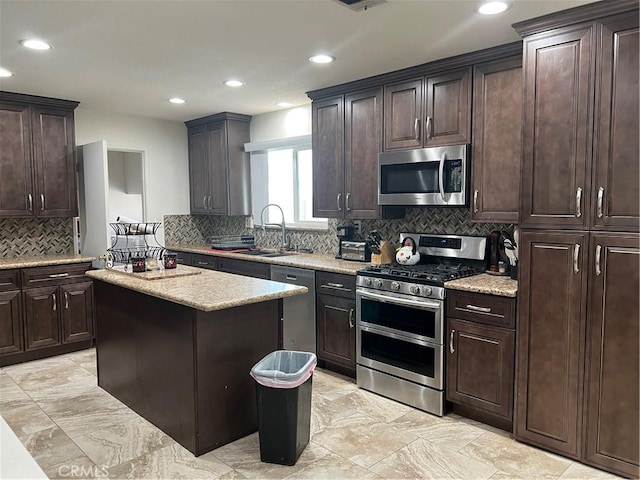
<point x="281" y="124"/>
<point x="165" y="148"/>
<point x="125" y="187"/>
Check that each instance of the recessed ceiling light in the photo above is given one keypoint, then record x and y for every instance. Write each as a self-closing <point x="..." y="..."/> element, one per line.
<point x="5" y="73"/>
<point x="492" y="8"/>
<point x="35" y="44"/>
<point x="284" y="104"/>
<point x="234" y="83"/>
<point x="176" y="100"/>
<point x="322" y="58"/>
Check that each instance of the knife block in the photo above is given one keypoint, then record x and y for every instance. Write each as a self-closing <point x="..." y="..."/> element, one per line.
<point x="387" y="254"/>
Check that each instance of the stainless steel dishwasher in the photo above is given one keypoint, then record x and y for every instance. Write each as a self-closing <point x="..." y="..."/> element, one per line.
<point x="299" y="326"/>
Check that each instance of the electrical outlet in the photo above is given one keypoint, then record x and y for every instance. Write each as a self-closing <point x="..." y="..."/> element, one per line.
<point x="248" y="222"/>
<point x="357" y="227"/>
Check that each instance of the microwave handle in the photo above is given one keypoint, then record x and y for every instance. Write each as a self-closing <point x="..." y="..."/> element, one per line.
<point x="441" y="176"/>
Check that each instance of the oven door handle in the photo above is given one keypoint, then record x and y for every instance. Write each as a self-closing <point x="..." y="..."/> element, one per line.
<point x="403" y="302"/>
<point x="404" y="338"/>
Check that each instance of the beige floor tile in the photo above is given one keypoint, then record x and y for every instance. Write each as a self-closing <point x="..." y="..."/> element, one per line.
<point x="88" y="412"/>
<point x="82" y="356"/>
<point x="423" y="459"/>
<point x="244" y="456"/>
<point x="54" y="376"/>
<point x="363" y="440"/>
<point x="42" y="365"/>
<point x="26" y="420"/>
<point x="67" y="391"/>
<point x="584" y="472"/>
<point x="169" y="462"/>
<point x="332" y="386"/>
<point x="48" y="447"/>
<point x="324" y="412"/>
<point x="11" y="395"/>
<point x="122" y="442"/>
<point x="515" y="458"/>
<point x="232" y="475"/>
<point x="76" y="468"/>
<point x="372" y="405"/>
<point x="450" y="432"/>
<point x="333" y="466"/>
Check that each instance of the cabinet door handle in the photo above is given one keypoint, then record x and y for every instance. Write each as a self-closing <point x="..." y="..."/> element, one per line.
<point x="579" y="202"/>
<point x="599" y="203"/>
<point x="59" y="275"/>
<point x="338" y="198"/>
<point x="478" y="309"/>
<point x="598" y="252"/>
<point x="576" y="254"/>
<point x="416" y="129"/>
<point x="351" y="318"/>
<point x="54" y="302"/>
<point x="475" y="200"/>
<point x="428" y="128"/>
<point x="451" y="348"/>
<point x="210" y="202"/>
<point x="66" y="301"/>
<point x="346" y="201"/>
<point x="204" y="202"/>
<point x="30" y="199"/>
<point x="42" y="200"/>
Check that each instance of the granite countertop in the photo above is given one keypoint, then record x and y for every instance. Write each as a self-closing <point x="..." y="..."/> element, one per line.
<point x="313" y="261"/>
<point x="205" y="290"/>
<point x="484" y="283"/>
<point x="26" y="261"/>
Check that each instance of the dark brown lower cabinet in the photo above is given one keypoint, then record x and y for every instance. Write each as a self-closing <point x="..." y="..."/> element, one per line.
<point x="336" y="322"/>
<point x="480" y="358"/>
<point x="577" y="370"/>
<point x="612" y="376"/>
<point x="77" y="311"/>
<point x="11" y="338"/>
<point x="42" y="328"/>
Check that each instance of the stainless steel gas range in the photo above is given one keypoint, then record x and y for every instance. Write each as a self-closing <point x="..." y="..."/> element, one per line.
<point x="400" y="319"/>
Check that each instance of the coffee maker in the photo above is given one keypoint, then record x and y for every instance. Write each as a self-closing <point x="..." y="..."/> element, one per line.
<point x="345" y="233"/>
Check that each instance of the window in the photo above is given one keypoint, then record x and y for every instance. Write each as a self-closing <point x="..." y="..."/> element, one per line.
<point x="284" y="176"/>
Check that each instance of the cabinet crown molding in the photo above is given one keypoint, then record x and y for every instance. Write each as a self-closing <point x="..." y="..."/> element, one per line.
<point x="14" y="97"/>
<point x="218" y="117"/>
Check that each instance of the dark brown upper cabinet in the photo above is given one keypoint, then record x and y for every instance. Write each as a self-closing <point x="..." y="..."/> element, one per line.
<point x="219" y="178"/>
<point x="37" y="157"/>
<point x="497" y="140"/>
<point x="580" y="173"/>
<point x="346" y="140"/>
<point x="428" y="111"/>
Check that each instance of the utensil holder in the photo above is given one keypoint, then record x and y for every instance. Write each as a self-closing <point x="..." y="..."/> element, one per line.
<point x="387" y="254"/>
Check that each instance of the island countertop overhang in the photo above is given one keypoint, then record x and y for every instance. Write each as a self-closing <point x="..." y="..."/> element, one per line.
<point x="207" y="290"/>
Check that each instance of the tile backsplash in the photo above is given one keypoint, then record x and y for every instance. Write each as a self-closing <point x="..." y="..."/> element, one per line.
<point x="198" y="229"/>
<point x="32" y="236"/>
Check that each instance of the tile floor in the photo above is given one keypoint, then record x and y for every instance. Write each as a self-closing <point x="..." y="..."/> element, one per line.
<point x="73" y="429"/>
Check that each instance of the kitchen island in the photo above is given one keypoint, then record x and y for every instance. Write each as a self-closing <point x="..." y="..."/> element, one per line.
<point x="178" y="351"/>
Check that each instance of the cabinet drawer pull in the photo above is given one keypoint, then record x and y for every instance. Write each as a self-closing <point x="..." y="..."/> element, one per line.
<point x="58" y="275"/>
<point x="338" y="198"/>
<point x="351" y="318"/>
<point x="599" y="211"/>
<point x="475" y="200"/>
<point x="416" y="129"/>
<point x="451" y="348"/>
<point x="579" y="202"/>
<point x="291" y="277"/>
<point x="66" y="301"/>
<point x="598" y="252"/>
<point x="428" y="128"/>
<point x="54" y="302"/>
<point x="346" y="202"/>
<point x="203" y="263"/>
<point x="30" y="199"/>
<point x="475" y="308"/>
<point x="42" y="200"/>
<point x="576" y="254"/>
<point x="335" y="285"/>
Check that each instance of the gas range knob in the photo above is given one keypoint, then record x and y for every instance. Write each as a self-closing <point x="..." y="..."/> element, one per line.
<point x="377" y="283"/>
<point x="428" y="291"/>
<point x="415" y="289"/>
<point x="367" y="282"/>
<point x="395" y="286"/>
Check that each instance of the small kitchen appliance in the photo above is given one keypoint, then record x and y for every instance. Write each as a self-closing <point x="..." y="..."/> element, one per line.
<point x="344" y="234"/>
<point x="355" y="250"/>
<point x="400" y="319"/>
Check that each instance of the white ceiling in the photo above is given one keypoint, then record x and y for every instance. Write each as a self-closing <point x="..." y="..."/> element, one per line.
<point x="131" y="56"/>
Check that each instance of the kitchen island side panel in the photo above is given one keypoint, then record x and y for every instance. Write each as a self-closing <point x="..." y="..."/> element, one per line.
<point x="145" y="355"/>
<point x="228" y="344"/>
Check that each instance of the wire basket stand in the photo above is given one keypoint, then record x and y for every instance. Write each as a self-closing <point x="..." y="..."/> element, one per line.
<point x="136" y="245"/>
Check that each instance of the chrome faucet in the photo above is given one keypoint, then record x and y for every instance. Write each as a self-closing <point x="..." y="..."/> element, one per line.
<point x="281" y="225"/>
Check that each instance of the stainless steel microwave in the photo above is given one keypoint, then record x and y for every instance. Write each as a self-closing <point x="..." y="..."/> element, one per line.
<point x="423" y="177"/>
